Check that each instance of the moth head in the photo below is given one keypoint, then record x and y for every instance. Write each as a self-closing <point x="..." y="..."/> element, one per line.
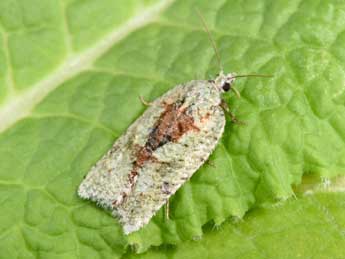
<point x="224" y="82"/>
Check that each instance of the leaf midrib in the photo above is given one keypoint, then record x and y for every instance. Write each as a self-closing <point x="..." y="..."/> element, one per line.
<point x="20" y="106"/>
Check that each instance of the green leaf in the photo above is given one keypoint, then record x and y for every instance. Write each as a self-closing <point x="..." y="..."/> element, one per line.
<point x="72" y="72"/>
<point x="310" y="227"/>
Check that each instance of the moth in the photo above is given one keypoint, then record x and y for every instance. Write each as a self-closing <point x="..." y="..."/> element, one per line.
<point x="160" y="151"/>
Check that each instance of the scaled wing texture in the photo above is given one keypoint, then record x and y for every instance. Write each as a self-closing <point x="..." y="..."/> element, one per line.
<point x="158" y="153"/>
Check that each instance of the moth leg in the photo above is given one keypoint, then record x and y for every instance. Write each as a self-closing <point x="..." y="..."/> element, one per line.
<point x="210" y="163"/>
<point x="167" y="208"/>
<point x="144" y="102"/>
<point x="226" y="109"/>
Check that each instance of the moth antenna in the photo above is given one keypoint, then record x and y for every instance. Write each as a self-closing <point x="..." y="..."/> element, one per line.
<point x="213" y="43"/>
<point x="251" y="75"/>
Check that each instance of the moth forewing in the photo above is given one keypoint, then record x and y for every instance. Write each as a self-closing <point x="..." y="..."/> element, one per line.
<point x="158" y="153"/>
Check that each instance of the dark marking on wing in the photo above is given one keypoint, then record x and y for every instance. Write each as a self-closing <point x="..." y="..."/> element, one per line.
<point x="123" y="195"/>
<point x="172" y="124"/>
<point x="165" y="188"/>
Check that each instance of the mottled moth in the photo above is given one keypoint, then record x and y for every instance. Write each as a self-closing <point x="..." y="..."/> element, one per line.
<point x="160" y="151"/>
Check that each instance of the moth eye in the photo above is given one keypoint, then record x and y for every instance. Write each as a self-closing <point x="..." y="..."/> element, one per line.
<point x="226" y="87"/>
